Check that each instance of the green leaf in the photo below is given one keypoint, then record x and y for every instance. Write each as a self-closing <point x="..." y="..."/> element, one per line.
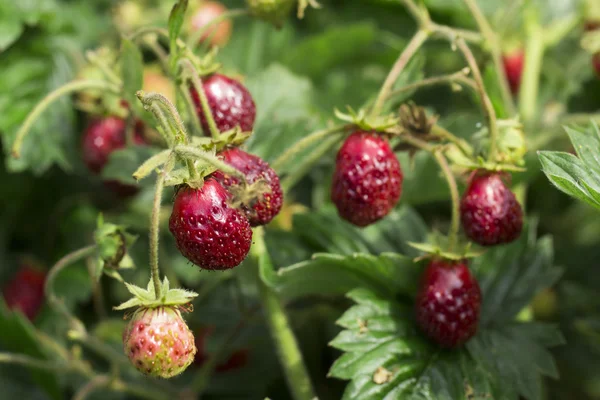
<point x="386" y="356"/>
<point x="132" y="70"/>
<point x="18" y="335"/>
<point x="110" y="330"/>
<point x="123" y="163"/>
<point x="176" y="19"/>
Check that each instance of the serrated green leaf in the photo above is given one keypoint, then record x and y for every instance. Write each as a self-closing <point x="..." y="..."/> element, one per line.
<point x="133" y="302"/>
<point x="142" y="294"/>
<point x="132" y="70"/>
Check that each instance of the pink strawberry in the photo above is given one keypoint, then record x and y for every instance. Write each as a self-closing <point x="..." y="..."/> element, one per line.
<point x="260" y="211"/>
<point x="158" y="342"/>
<point x="207" y="11"/>
<point x="207" y="231"/>
<point x="489" y="211"/>
<point x="230" y="102"/>
<point x="367" y="181"/>
<point x="448" y="303"/>
<point x="25" y="291"/>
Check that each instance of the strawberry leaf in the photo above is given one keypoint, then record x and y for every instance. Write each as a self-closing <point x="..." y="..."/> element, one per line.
<point x="132" y="71"/>
<point x="385" y="355"/>
<point x="578" y="176"/>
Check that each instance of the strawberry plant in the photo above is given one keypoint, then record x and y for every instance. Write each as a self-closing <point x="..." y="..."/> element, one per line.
<point x="300" y="199"/>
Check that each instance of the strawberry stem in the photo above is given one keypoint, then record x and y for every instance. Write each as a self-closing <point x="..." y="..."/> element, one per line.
<point x="172" y="115"/>
<point x="68" y="88"/>
<point x="286" y="344"/>
<point x="155" y="226"/>
<point x="495" y="49"/>
<point x="488" y="107"/>
<point x="409" y="51"/>
<point x="534" y="53"/>
<point x="455" y="222"/>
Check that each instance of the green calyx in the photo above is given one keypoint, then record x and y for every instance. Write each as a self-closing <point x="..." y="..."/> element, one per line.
<point x="436" y="250"/>
<point x="272" y="11"/>
<point x="362" y="120"/>
<point x="147" y="297"/>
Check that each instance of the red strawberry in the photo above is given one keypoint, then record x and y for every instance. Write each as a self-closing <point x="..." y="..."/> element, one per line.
<point x="260" y="211"/>
<point x="367" y="181"/>
<point x="238" y="358"/>
<point x="230" y="102"/>
<point x="25" y="291"/>
<point x="101" y="138"/>
<point x="158" y="342"/>
<point x="207" y="231"/>
<point x="489" y="211"/>
<point x="448" y="303"/>
<point x="218" y="34"/>
<point x="513" y="67"/>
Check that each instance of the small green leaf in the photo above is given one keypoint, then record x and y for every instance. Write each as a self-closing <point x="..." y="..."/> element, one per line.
<point x="132" y="70"/>
<point x="123" y="163"/>
<point x="176" y="19"/>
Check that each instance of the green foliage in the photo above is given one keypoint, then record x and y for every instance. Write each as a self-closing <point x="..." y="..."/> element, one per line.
<point x="577" y="176"/>
<point x="386" y="357"/>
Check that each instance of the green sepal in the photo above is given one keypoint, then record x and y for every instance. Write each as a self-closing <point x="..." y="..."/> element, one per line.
<point x="436" y="250"/>
<point x="366" y="122"/>
<point x="147" y="297"/>
<point x="112" y="242"/>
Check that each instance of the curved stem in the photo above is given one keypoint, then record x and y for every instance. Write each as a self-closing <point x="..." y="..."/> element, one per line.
<point x="191" y="108"/>
<point x="155" y="226"/>
<point x="304" y="143"/>
<point x="32" y="362"/>
<point x="415" y="43"/>
<point x="488" y="107"/>
<point x="455" y="222"/>
<point x="100" y="63"/>
<point x="190" y="151"/>
<point x="492" y="40"/>
<point x="300" y="170"/>
<point x="534" y="53"/>
<point x="149" y="29"/>
<point x="199" y="88"/>
<point x="457" y="77"/>
<point x="93" y="384"/>
<point x="152" y="99"/>
<point x="288" y="351"/>
<point x="195" y="38"/>
<point x="49" y="99"/>
<point x="53" y="300"/>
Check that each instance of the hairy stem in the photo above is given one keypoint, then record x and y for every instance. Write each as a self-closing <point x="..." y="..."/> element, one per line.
<point x="190" y="151"/>
<point x="488" y="107"/>
<point x="191" y="108"/>
<point x="492" y="40"/>
<point x="53" y="300"/>
<point x="304" y="143"/>
<point x="152" y="99"/>
<point x="68" y="88"/>
<point x="194" y="77"/>
<point x="455" y="222"/>
<point x="415" y="43"/>
<point x="195" y="38"/>
<point x="457" y="77"/>
<point x="534" y="53"/>
<point x="155" y="226"/>
<point x="161" y="32"/>
<point x="288" y="351"/>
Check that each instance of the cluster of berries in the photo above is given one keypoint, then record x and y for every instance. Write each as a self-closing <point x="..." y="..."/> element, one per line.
<point x="367" y="184"/>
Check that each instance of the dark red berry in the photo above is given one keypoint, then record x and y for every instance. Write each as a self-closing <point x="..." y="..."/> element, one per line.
<point x="230" y="102"/>
<point x="367" y="181"/>
<point x="101" y="138"/>
<point x="596" y="63"/>
<point x="236" y="360"/>
<point x="513" y="67"/>
<point x="200" y="340"/>
<point x="489" y="211"/>
<point x="25" y="291"/>
<point x="207" y="231"/>
<point x="262" y="209"/>
<point x="448" y="303"/>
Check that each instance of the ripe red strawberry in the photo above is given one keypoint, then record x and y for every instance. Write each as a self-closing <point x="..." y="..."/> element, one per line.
<point x="489" y="211"/>
<point x="207" y="231"/>
<point x="260" y="211"/>
<point x="218" y="35"/>
<point x="513" y="67"/>
<point x="158" y="342"/>
<point x="100" y="139"/>
<point x="367" y="181"/>
<point x="230" y="102"/>
<point x="448" y="303"/>
<point x="25" y="291"/>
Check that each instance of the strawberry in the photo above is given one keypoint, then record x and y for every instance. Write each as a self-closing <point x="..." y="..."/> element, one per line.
<point x="25" y="291"/>
<point x="489" y="211"/>
<point x="513" y="67"/>
<point x="217" y="35"/>
<point x="448" y="303"/>
<point x="260" y="210"/>
<point x="230" y="102"/>
<point x="367" y="181"/>
<point x="100" y="139"/>
<point x="158" y="342"/>
<point x="207" y="231"/>
<point x="236" y="360"/>
<point x="273" y="11"/>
